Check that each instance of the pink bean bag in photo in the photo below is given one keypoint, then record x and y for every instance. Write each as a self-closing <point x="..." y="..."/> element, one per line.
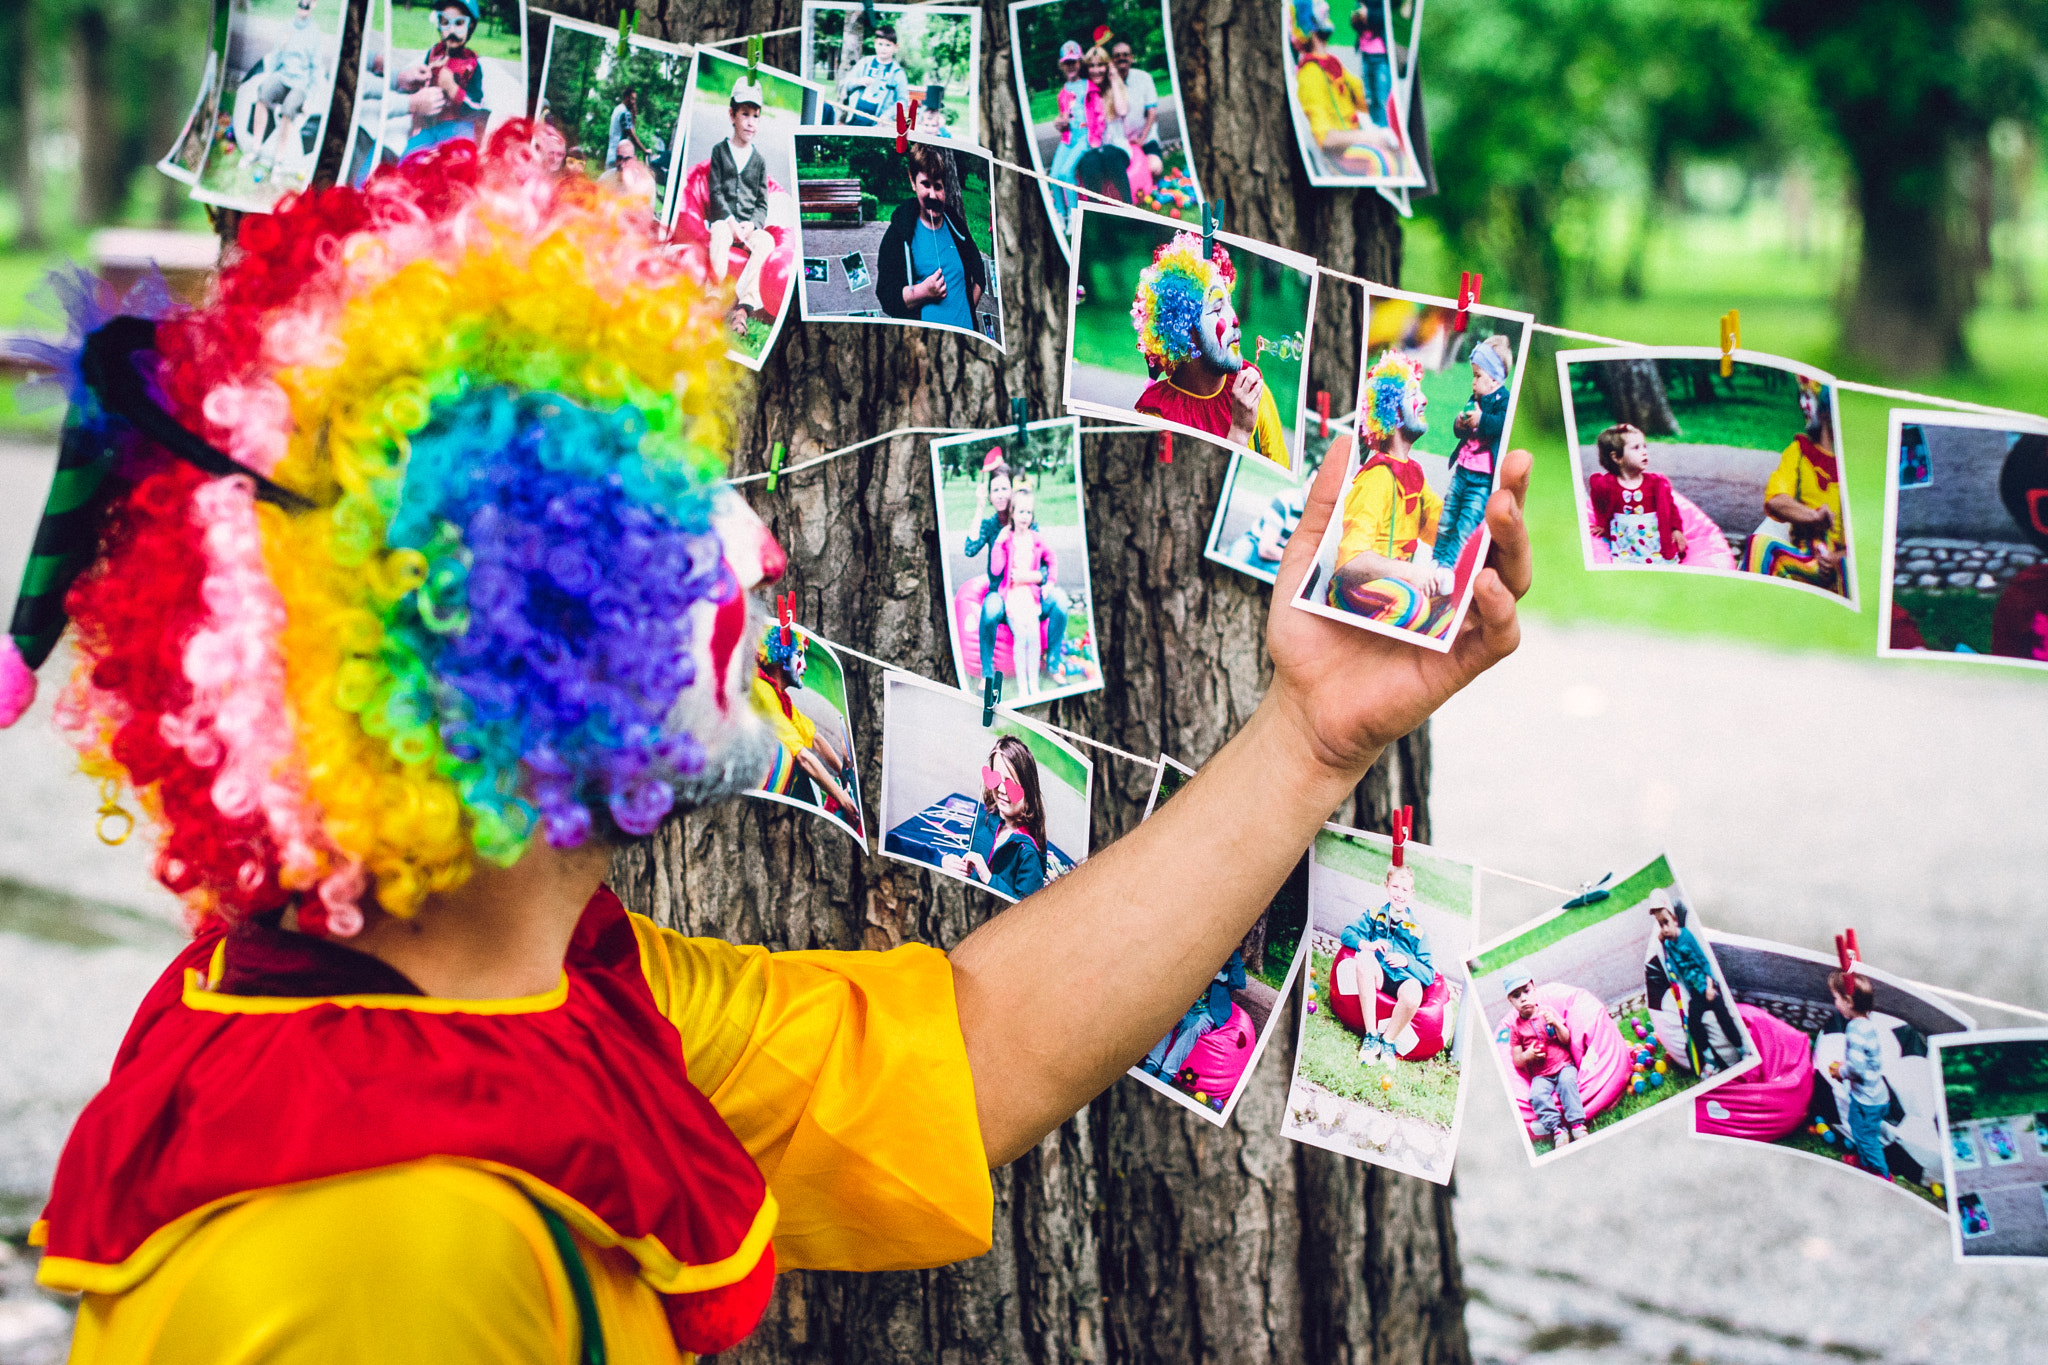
<point x="1705" y="546"/>
<point x="1429" y="1020"/>
<point x="695" y="240"/>
<point x="967" y="622"/>
<point x="1596" y="1042"/>
<point x="1221" y="1055"/>
<point x="1770" y="1099"/>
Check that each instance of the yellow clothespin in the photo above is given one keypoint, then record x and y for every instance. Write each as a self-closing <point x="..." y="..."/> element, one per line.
<point x="1731" y="339"/>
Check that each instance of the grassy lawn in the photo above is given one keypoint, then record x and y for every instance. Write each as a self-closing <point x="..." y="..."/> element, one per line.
<point x="1676" y="1082"/>
<point x="1800" y="1140"/>
<point x="1329" y="1057"/>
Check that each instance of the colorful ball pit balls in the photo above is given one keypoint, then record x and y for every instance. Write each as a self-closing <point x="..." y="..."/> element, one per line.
<point x="1217" y="1104"/>
<point x="1311" y="1007"/>
<point x="1656" y="1078"/>
<point x="1201" y="1097"/>
<point x="1662" y="1066"/>
<point x="1936" y="1190"/>
<point x="1639" y="1085"/>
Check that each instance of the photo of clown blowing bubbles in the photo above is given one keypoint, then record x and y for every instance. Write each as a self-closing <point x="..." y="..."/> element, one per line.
<point x="1213" y="348"/>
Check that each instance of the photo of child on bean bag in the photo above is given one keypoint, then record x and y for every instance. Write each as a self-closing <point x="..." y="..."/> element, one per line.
<point x="1639" y="518"/>
<point x="1389" y="962"/>
<point x="1213" y="1011"/>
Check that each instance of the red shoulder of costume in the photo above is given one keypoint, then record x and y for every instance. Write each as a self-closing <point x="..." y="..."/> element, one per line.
<point x="1162" y="399"/>
<point x="1821" y="458"/>
<point x="1408" y="475"/>
<point x="578" y="1095"/>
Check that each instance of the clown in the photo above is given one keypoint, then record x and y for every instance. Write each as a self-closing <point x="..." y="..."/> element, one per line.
<point x="447" y="88"/>
<point x="1350" y="128"/>
<point x="1801" y="537"/>
<point x="814" y="759"/>
<point x="1188" y="333"/>
<point x="1384" y="567"/>
<point x="406" y="588"/>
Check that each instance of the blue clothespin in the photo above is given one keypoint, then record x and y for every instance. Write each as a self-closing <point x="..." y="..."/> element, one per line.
<point x="753" y="54"/>
<point x="991" y="693"/>
<point x="1021" y="412"/>
<point x="775" y="466"/>
<point x="1591" y="893"/>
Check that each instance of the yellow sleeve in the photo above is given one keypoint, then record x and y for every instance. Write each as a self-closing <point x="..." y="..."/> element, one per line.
<point x="1318" y="101"/>
<point x="845" y="1076"/>
<point x="793" y="733"/>
<point x="1269" y="438"/>
<point x="1784" y="480"/>
<point x="1368" y="512"/>
<point x="1432" y="513"/>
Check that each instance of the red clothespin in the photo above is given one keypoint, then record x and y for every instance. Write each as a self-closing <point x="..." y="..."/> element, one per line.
<point x="1468" y="294"/>
<point x="1731" y="339"/>
<point x="785" y="611"/>
<point x="1404" y="825"/>
<point x="902" y="130"/>
<point x="991" y="693"/>
<point x="775" y="466"/>
<point x="1323" y="411"/>
<point x="1166" y="447"/>
<point x="1850" y="957"/>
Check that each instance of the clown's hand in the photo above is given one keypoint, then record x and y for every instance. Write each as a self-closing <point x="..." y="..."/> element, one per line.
<point x="1245" y="389"/>
<point x="1348" y="692"/>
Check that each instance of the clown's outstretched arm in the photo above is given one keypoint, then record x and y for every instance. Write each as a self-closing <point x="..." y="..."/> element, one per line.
<point x="1179" y="891"/>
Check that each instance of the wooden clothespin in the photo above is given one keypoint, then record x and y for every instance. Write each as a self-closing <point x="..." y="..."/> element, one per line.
<point x="1731" y="340"/>
<point x="1021" y="411"/>
<point x="785" y="612"/>
<point x="753" y="54"/>
<point x="1323" y="412"/>
<point x="902" y="130"/>
<point x="1166" y="447"/>
<point x="1850" y="957"/>
<point x="1468" y="294"/>
<point x="991" y="693"/>
<point x="775" y="466"/>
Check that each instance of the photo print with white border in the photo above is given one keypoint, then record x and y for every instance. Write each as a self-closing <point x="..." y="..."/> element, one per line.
<point x="1158" y="337"/>
<point x="1261" y="505"/>
<point x="426" y="83"/>
<point x="998" y="575"/>
<point x="188" y="150"/>
<point x="929" y="53"/>
<point x="1436" y="412"/>
<point x="1965" y="554"/>
<point x="739" y="223"/>
<point x="621" y="118"/>
<point x="1347" y="98"/>
<point x="1853" y="1090"/>
<point x="1993" y="1109"/>
<point x="910" y="236"/>
<point x="1069" y="107"/>
<point x="800" y="685"/>
<point x="1203" y="1062"/>
<point x="277" y="86"/>
<point x="1678" y="469"/>
<point x="1566" y="993"/>
<point x="1384" y="1054"/>
<point x="1005" y="808"/>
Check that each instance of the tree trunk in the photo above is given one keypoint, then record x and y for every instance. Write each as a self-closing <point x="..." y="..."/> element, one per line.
<point x="28" y="179"/>
<point x="1634" y="391"/>
<point x="1137" y="1232"/>
<point x="1916" y="278"/>
<point x="95" y="114"/>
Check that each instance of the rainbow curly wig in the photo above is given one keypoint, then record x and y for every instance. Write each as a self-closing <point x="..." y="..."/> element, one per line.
<point x="498" y="412"/>
<point x="1389" y="395"/>
<point x="1171" y="291"/>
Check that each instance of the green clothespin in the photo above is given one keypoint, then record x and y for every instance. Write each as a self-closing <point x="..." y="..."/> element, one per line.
<point x="1212" y="219"/>
<point x="775" y="466"/>
<point x="1022" y="413"/>
<point x="753" y="54"/>
<point x="1591" y="893"/>
<point x="867" y="17"/>
<point x="991" y="693"/>
<point x="627" y="17"/>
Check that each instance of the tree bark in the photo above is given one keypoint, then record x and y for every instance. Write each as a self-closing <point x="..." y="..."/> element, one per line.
<point x="28" y="179"/>
<point x="95" y="115"/>
<point x="1634" y="391"/>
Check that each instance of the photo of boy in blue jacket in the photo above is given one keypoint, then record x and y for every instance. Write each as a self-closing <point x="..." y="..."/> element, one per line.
<point x="1395" y="951"/>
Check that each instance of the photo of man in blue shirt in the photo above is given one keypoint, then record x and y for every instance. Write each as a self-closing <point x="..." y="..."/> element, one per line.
<point x="928" y="266"/>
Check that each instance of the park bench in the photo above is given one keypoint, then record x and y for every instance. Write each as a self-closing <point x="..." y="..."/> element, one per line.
<point x="836" y="200"/>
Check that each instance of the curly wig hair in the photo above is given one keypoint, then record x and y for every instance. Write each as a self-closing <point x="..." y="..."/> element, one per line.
<point x="1171" y="291"/>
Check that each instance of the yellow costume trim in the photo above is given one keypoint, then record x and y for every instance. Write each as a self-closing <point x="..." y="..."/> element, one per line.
<point x="658" y="1267"/>
<point x="201" y="996"/>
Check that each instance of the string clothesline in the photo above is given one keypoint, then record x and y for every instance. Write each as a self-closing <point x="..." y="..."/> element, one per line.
<point x="1157" y="763"/>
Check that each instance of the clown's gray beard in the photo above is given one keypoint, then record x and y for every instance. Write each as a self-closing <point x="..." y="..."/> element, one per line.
<point x="1420" y="429"/>
<point x="739" y="767"/>
<point x="1215" y="352"/>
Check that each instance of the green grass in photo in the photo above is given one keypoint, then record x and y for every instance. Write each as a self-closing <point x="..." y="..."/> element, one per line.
<point x="1440" y="883"/>
<point x="1677" y="1081"/>
<point x="717" y="73"/>
<point x="1755" y="408"/>
<point x="1426" y="1090"/>
<point x="1625" y="896"/>
<point x="1948" y="617"/>
<point x="1992" y="1080"/>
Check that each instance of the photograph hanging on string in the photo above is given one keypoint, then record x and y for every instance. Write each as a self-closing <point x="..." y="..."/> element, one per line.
<point x="1436" y="410"/>
<point x="277" y="83"/>
<point x="188" y="149"/>
<point x="1681" y="469"/>
<point x="1260" y="506"/>
<point x="1843" y="1074"/>
<point x="1346" y="95"/>
<point x="450" y="71"/>
<point x="927" y="53"/>
<point x="1214" y="348"/>
<point x="1566" y="999"/>
<point x="910" y="235"/>
<point x="1013" y="543"/>
<point x="734" y="208"/>
<point x="1100" y="94"/>
<point x="1993" y="1107"/>
<point x="1171" y="777"/>
<point x="800" y="685"/>
<point x="620" y="114"/>
<point x="1965" y="550"/>
<point x="1384" y="1052"/>
<point x="1003" y="807"/>
<point x="368" y="147"/>
<point x="1204" y="1061"/>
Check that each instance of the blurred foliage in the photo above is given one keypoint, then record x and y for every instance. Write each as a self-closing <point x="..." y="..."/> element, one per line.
<point x="1995" y="1079"/>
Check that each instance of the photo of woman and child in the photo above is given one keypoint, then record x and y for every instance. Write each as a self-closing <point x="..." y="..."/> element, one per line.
<point x="1101" y="102"/>
<point x="800" y="685"/>
<point x="1401" y="555"/>
<point x="1606" y="1009"/>
<point x="1203" y="1062"/>
<point x="1843" y="1073"/>
<point x="1379" y="1070"/>
<point x="1681" y="467"/>
<point x="1349" y="110"/>
<point x="930" y="53"/>
<point x="1013" y="539"/>
<point x="1003" y="807"/>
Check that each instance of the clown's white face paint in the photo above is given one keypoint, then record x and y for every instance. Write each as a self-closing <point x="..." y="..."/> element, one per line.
<point x="1218" y="334"/>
